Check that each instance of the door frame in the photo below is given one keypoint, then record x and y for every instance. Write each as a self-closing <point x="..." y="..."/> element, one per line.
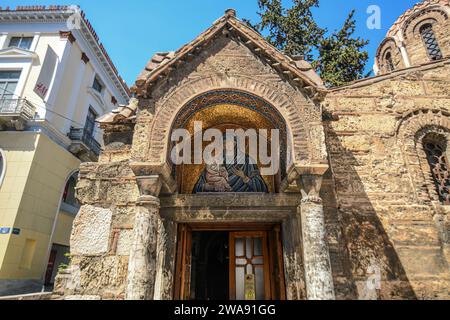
<point x="266" y="260"/>
<point x="183" y="254"/>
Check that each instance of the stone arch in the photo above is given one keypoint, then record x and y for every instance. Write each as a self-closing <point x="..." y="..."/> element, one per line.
<point x="432" y="14"/>
<point x="243" y="102"/>
<point x="389" y="45"/>
<point x="430" y="42"/>
<point x="167" y="110"/>
<point x="411" y="130"/>
<point x="437" y="17"/>
<point x="435" y="145"/>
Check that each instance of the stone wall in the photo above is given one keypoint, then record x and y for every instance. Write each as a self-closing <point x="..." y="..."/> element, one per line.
<point x="102" y="232"/>
<point x="387" y="205"/>
<point x="380" y="207"/>
<point x="224" y="64"/>
<point x="404" y="39"/>
<point x="414" y="44"/>
<point x="389" y="46"/>
<point x="104" y="235"/>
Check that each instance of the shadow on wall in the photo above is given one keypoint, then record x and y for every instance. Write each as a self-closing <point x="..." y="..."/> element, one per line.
<point x="366" y="250"/>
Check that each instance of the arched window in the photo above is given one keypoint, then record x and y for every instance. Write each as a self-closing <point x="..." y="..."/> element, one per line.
<point x="389" y="63"/>
<point x="430" y="41"/>
<point x="435" y="149"/>
<point x="69" y="191"/>
<point x="2" y="166"/>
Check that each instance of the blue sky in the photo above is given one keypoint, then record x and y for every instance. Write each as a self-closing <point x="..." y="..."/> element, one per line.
<point x="135" y="29"/>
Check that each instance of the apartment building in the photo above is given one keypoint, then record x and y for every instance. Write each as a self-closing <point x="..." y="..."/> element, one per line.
<point x="56" y="78"/>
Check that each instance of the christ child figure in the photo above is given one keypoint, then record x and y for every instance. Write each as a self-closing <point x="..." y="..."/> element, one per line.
<point x="217" y="177"/>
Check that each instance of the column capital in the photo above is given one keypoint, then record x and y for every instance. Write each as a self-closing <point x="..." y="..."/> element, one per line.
<point x="149" y="187"/>
<point x="310" y="185"/>
<point x="296" y="169"/>
<point x="147" y="174"/>
<point x="309" y="180"/>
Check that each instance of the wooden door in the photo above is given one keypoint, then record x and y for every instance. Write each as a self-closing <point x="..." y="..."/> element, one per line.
<point x="254" y="250"/>
<point x="249" y="266"/>
<point x="183" y="268"/>
<point x="50" y="267"/>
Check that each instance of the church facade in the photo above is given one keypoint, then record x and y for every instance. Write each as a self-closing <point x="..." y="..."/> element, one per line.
<point x="358" y="208"/>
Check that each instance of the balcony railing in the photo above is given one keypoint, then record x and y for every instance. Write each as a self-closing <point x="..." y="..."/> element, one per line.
<point x="16" y="111"/>
<point x="80" y="135"/>
<point x="17" y="107"/>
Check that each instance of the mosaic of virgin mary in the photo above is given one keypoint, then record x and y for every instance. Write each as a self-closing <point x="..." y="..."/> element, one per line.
<point x="240" y="175"/>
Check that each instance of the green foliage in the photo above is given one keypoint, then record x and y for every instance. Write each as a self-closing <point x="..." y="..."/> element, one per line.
<point x="341" y="58"/>
<point x="291" y="30"/>
<point x="338" y="58"/>
<point x="64" y="266"/>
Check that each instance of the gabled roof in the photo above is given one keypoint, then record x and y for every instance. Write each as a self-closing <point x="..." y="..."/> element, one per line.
<point x="298" y="71"/>
<point x="17" y="53"/>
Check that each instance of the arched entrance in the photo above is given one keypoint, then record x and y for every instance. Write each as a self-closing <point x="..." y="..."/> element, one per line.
<point x="179" y="203"/>
<point x="248" y="260"/>
<point x="230" y="109"/>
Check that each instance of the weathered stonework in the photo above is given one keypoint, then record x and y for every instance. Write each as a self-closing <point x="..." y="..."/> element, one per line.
<point x="387" y="199"/>
<point x="91" y="231"/>
<point x="404" y="45"/>
<point x="358" y="206"/>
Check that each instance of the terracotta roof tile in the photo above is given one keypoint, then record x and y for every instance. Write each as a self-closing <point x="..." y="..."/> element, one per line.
<point x="120" y="113"/>
<point x="159" y="63"/>
<point x="397" y="26"/>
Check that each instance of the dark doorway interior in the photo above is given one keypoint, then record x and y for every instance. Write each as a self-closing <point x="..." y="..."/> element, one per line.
<point x="210" y="266"/>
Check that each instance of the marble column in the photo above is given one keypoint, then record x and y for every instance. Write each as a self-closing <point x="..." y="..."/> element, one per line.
<point x="142" y="265"/>
<point x="316" y="256"/>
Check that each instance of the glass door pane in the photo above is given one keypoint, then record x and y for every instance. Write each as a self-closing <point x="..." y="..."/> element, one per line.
<point x="249" y="266"/>
<point x="90" y="123"/>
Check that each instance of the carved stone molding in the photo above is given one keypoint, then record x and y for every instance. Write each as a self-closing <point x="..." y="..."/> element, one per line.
<point x="67" y="35"/>
<point x="153" y="179"/>
<point x="149" y="185"/>
<point x="310" y="185"/>
<point x="308" y="179"/>
<point x="148" y="200"/>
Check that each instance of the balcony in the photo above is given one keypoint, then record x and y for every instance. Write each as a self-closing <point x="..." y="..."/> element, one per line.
<point x="14" y="113"/>
<point x="84" y="145"/>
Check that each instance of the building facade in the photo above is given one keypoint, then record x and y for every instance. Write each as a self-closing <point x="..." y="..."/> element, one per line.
<point x="55" y="79"/>
<point x="357" y="210"/>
